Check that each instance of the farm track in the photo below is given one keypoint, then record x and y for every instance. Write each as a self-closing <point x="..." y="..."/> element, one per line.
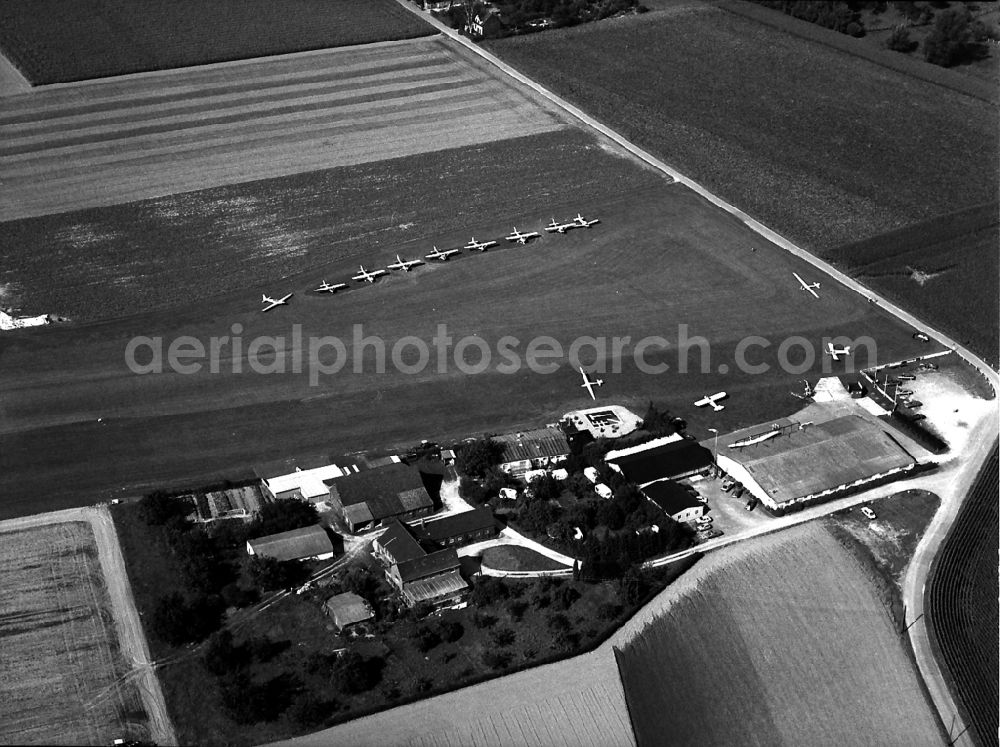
<point x="961" y="604"/>
<point x="123" y="140"/>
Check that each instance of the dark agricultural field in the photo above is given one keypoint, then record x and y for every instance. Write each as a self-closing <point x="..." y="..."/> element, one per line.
<point x="824" y="147"/>
<point x="944" y="269"/>
<point x="79" y="426"/>
<point x="52" y="41"/>
<point x="962" y="605"/>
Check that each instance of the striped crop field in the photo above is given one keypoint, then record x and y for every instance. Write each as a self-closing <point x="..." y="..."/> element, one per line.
<point x="962" y="605"/>
<point x="780" y="640"/>
<point x="61" y="661"/>
<point x="107" y="142"/>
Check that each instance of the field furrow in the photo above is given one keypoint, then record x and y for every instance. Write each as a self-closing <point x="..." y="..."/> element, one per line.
<point x="96" y="145"/>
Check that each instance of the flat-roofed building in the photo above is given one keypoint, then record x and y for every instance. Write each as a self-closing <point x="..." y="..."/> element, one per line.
<point x="304" y="484"/>
<point x="809" y="462"/>
<point x="308" y="543"/>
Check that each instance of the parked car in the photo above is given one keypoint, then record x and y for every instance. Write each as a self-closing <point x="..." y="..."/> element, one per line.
<point x="928" y="367"/>
<point x="704" y="520"/>
<point x="727" y="486"/>
<point x="869" y="514"/>
<point x="921" y="336"/>
<point x="751" y="504"/>
<point x="705" y="536"/>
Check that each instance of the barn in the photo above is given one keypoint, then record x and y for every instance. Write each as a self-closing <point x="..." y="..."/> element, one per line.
<point x="668" y="458"/>
<point x="308" y="543"/>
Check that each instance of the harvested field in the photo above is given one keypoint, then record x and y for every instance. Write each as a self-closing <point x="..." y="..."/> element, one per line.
<point x="840" y="151"/>
<point x="108" y="142"/>
<point x="779" y="640"/>
<point x="962" y="606"/>
<point x="78" y="425"/>
<point x="61" y="659"/>
<point x="130" y="258"/>
<point x="55" y="42"/>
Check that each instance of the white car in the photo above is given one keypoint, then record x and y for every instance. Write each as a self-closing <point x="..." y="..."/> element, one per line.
<point x="869" y="514"/>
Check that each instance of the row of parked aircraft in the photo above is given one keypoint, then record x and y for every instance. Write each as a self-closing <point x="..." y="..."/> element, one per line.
<point x="370" y="276"/>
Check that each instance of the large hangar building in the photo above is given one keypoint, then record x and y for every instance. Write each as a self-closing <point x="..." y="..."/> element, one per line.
<point x="787" y="464"/>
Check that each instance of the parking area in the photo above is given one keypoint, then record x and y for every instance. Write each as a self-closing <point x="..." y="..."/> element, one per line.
<point x="728" y="513"/>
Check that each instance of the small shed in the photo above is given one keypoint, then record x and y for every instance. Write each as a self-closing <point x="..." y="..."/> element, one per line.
<point x="348" y="609"/>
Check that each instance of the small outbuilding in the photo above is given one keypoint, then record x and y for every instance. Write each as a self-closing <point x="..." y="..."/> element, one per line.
<point x="307" y="543"/>
<point x="675" y="500"/>
<point x="348" y="609"/>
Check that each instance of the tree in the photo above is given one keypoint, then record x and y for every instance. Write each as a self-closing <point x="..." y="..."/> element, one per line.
<point x="178" y="620"/>
<point x="899" y="40"/>
<point x="156" y="509"/>
<point x="545" y="488"/>
<point x="476" y="458"/>
<point x="631" y="586"/>
<point x="502" y="637"/>
<point x="222" y="655"/>
<point x="451" y="630"/>
<point x="353" y="674"/>
<point x="488" y="590"/>
<point x="426" y="638"/>
<point x="271" y="574"/>
<point x="951" y="41"/>
<point x="565" y="597"/>
<point x="282" y="516"/>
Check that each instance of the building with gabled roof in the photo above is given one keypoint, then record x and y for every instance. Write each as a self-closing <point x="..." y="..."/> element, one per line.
<point x="365" y="499"/>
<point x="348" y="609"/>
<point x="458" y="529"/>
<point x="532" y="449"/>
<point x="807" y="462"/>
<point x="667" y="458"/>
<point x="674" y="500"/>
<point x="307" y="543"/>
<point x="396" y="544"/>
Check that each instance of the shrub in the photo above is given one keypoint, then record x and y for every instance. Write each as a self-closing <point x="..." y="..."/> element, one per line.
<point x="482" y="620"/>
<point x="156" y="509"/>
<point x="353" y="674"/>
<point x="426" y="638"/>
<point x="517" y="608"/>
<point x="502" y="637"/>
<point x="178" y="620"/>
<point x="311" y="711"/>
<point x="565" y="597"/>
<point x="488" y="590"/>
<point x="451" y="631"/>
<point x="497" y="659"/>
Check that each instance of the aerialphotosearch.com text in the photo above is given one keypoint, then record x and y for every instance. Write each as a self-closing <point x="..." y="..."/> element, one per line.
<point x="319" y="356"/>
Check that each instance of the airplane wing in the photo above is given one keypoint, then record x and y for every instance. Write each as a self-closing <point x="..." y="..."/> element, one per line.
<point x="702" y="402"/>
<point x="718" y="395"/>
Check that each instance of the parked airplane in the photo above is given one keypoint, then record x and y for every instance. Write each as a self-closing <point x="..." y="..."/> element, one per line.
<point x="837" y="352"/>
<point x="443" y="256"/>
<point x="405" y="264"/>
<point x="560" y="227"/>
<point x="807" y="286"/>
<point x="712" y="399"/>
<point x="522" y="238"/>
<point x="327" y="288"/>
<point x="365" y="276"/>
<point x="480" y="245"/>
<point x="589" y="385"/>
<point x="270" y="303"/>
<point x="583" y="222"/>
<point x="754" y="440"/>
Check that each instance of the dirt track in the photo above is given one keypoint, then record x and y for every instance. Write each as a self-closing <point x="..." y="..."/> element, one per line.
<point x="120" y="140"/>
<point x="131" y="638"/>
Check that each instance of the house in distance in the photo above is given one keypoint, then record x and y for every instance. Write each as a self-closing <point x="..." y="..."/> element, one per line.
<point x="308" y="543"/>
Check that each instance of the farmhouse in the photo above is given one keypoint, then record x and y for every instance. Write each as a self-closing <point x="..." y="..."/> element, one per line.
<point x="365" y="499"/>
<point x="674" y="500"/>
<point x="532" y="449"/>
<point x="671" y="457"/>
<point x="458" y="529"/>
<point x="434" y="579"/>
<point x="347" y="609"/>
<point x="807" y="462"/>
<point x="308" y="543"/>
<point x="485" y="23"/>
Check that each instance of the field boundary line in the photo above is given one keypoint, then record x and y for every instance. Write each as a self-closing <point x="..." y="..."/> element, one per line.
<point x="930" y="672"/>
<point x="12" y="81"/>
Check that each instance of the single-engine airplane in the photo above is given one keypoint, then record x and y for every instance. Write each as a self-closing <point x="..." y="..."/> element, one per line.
<point x="480" y="245"/>
<point x="326" y="287"/>
<point x="367" y="277"/>
<point x="837" y="352"/>
<point x="522" y="238"/>
<point x="589" y="385"/>
<point x="404" y="264"/>
<point x="270" y="303"/>
<point x="583" y="222"/>
<point x="555" y="227"/>
<point x="443" y="256"/>
<point x="807" y="286"/>
<point x="712" y="399"/>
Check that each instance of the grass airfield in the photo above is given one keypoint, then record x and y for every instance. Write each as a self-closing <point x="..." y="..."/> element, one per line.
<point x="660" y="257"/>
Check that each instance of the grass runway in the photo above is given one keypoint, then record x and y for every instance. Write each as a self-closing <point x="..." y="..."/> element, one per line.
<point x="661" y="257"/>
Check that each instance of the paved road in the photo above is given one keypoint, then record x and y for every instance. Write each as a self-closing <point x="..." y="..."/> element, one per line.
<point x="953" y="489"/>
<point x="131" y="637"/>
